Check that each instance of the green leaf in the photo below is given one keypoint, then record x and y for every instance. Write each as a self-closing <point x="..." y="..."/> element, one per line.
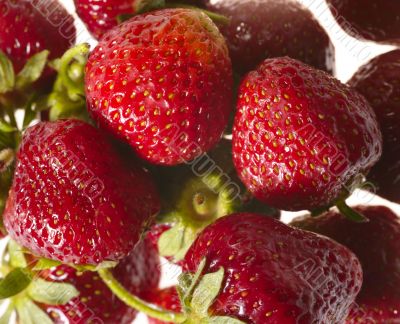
<point x="51" y="293"/>
<point x="187" y="283"/>
<point x="15" y="282"/>
<point x="5" y="317"/>
<point x="7" y="76"/>
<point x="176" y="241"/>
<point x="206" y="291"/>
<point x="32" y="70"/>
<point x="44" y="264"/>
<point x="170" y="242"/>
<point x="223" y="320"/>
<point x="17" y="257"/>
<point x="29" y="313"/>
<point x="6" y="127"/>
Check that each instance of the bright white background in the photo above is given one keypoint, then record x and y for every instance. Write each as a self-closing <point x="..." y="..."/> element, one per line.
<point x="350" y="54"/>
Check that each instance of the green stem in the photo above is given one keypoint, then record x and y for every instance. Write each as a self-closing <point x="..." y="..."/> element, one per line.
<point x="350" y="213"/>
<point x="76" y="53"/>
<point x="137" y="303"/>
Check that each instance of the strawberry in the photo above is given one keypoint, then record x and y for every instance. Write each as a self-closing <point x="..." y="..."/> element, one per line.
<point x="302" y="139"/>
<point x="74" y="198"/>
<point x="268" y="28"/>
<point x="162" y="82"/>
<point x="377" y="246"/>
<point x="370" y="20"/>
<point x="378" y="81"/>
<point x="28" y="27"/>
<point x="139" y="273"/>
<point x="167" y="299"/>
<point x="263" y="271"/>
<point x="100" y="16"/>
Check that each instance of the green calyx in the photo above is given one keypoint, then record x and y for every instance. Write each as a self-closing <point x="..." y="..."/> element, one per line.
<point x="11" y="82"/>
<point x="205" y="199"/>
<point x="68" y="96"/>
<point x="198" y="292"/>
<point x="19" y="91"/>
<point x="200" y="202"/>
<point x="24" y="286"/>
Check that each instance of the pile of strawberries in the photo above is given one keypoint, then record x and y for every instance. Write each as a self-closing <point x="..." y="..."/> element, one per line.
<point x="182" y="134"/>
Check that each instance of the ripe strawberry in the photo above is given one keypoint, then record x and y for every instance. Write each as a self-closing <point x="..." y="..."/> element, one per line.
<point x="139" y="273"/>
<point x="73" y="198"/>
<point x="100" y="16"/>
<point x="268" y="28"/>
<point x="301" y="138"/>
<point x="167" y="299"/>
<point x="368" y="19"/>
<point x="274" y="273"/>
<point x="376" y="243"/>
<point x="28" y="27"/>
<point x="378" y="81"/>
<point x="162" y="82"/>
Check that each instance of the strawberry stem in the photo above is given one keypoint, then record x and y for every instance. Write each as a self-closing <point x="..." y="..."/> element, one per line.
<point x="137" y="303"/>
<point x="78" y="53"/>
<point x="350" y="213"/>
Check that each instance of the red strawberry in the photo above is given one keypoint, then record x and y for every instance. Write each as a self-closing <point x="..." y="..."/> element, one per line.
<point x="163" y="83"/>
<point x="73" y="198"/>
<point x="379" y="82"/>
<point x="30" y="26"/>
<point x="167" y="299"/>
<point x="100" y="16"/>
<point x="261" y="29"/>
<point x="139" y="273"/>
<point x="376" y="243"/>
<point x="274" y="273"/>
<point x="369" y="19"/>
<point x="301" y="138"/>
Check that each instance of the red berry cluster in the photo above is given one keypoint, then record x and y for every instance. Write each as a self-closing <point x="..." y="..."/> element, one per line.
<point x="182" y="134"/>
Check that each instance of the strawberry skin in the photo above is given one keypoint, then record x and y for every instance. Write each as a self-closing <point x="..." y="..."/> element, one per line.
<point x="369" y="19"/>
<point x="139" y="273"/>
<point x="74" y="198"/>
<point x="300" y="137"/>
<point x="28" y="27"/>
<point x="378" y="81"/>
<point x="101" y="16"/>
<point x="376" y="244"/>
<point x="162" y="82"/>
<point x="260" y="29"/>
<point x="167" y="298"/>
<point x="269" y="271"/>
